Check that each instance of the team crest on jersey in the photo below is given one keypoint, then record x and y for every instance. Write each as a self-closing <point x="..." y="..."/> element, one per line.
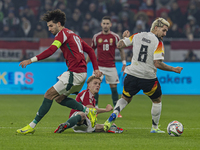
<point x="111" y="41"/>
<point x="100" y="40"/>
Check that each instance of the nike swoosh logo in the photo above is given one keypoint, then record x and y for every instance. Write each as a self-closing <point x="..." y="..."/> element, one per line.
<point x="23" y="131"/>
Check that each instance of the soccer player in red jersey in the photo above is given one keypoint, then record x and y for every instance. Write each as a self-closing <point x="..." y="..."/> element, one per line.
<point x="70" y="81"/>
<point x="106" y="43"/>
<point x="78" y="121"/>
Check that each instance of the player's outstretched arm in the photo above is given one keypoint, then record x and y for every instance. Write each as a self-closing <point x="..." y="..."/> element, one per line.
<point x="24" y="63"/>
<point x="161" y="65"/>
<point x="102" y="110"/>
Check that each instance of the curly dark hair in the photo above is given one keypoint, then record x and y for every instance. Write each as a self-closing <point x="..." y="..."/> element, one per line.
<point x="55" y="16"/>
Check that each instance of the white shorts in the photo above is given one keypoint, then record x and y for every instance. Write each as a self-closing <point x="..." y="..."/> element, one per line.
<point x="110" y="74"/>
<point x="70" y="83"/>
<point x="84" y="127"/>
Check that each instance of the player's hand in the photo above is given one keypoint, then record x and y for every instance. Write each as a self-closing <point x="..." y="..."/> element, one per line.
<point x="109" y="108"/>
<point x="97" y="73"/>
<point x="178" y="69"/>
<point x="126" y="34"/>
<point x="123" y="68"/>
<point x="25" y="63"/>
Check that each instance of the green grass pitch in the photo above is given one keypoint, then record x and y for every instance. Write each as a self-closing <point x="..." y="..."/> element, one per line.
<point x="16" y="111"/>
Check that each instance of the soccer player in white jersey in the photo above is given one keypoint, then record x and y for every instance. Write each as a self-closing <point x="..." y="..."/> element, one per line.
<point x="106" y="43"/>
<point x="148" y="55"/>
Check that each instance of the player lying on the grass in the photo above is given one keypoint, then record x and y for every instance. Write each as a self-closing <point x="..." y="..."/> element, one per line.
<point x="148" y="55"/>
<point x="78" y="121"/>
<point x="70" y="81"/>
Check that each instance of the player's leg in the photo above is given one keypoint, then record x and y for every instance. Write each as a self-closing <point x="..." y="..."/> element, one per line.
<point x="129" y="90"/>
<point x="71" y="83"/>
<point x="76" y="118"/>
<point x="153" y="90"/>
<point x="115" y="96"/>
<point x="44" y="108"/>
<point x="96" y="97"/>
<point x="112" y="79"/>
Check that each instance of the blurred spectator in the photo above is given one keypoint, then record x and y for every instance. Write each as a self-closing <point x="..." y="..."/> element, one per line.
<point x="140" y="27"/>
<point x="102" y="7"/>
<point x="191" y="56"/>
<point x="94" y="12"/>
<point x="163" y="4"/>
<point x="193" y="11"/>
<point x="6" y="32"/>
<point x="191" y="29"/>
<point x="86" y="32"/>
<point x="75" y="21"/>
<point x="28" y="13"/>
<point x="25" y="29"/>
<point x="126" y="11"/>
<point x="6" y="6"/>
<point x="166" y="17"/>
<point x="114" y="6"/>
<point x="92" y="22"/>
<point x="45" y="8"/>
<point x="176" y="15"/>
<point x="1" y="14"/>
<point x="11" y="21"/>
<point x="66" y="10"/>
<point x="143" y="17"/>
<point x="114" y="20"/>
<point x="82" y="5"/>
<point x="40" y="31"/>
<point x="175" y="32"/>
<point x="56" y="3"/>
<point x="126" y="23"/>
<point x="147" y="5"/>
<point x="119" y="30"/>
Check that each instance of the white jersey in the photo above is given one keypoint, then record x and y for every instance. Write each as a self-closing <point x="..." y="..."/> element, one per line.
<point x="146" y="49"/>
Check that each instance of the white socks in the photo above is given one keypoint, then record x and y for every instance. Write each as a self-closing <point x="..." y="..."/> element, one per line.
<point x="155" y="112"/>
<point x="32" y="124"/>
<point x="121" y="104"/>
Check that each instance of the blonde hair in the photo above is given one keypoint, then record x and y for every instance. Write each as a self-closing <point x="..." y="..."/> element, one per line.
<point x="160" y="22"/>
<point x="92" y="78"/>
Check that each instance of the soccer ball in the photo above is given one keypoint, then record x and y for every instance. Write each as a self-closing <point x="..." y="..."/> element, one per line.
<point x="175" y="128"/>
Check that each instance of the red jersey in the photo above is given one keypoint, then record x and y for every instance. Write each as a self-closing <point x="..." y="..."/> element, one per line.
<point x="106" y="45"/>
<point x="85" y="98"/>
<point x="72" y="47"/>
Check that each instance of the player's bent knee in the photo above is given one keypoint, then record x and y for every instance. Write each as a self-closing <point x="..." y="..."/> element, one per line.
<point x="60" y="98"/>
<point x="51" y="93"/>
<point x="82" y="114"/>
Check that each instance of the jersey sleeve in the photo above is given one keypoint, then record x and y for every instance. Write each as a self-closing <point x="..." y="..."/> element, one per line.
<point x="58" y="41"/>
<point x="129" y="41"/>
<point x="159" y="52"/>
<point x="91" y="53"/>
<point x="94" y="45"/>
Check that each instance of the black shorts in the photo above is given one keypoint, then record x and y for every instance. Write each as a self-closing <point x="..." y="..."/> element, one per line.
<point x="150" y="87"/>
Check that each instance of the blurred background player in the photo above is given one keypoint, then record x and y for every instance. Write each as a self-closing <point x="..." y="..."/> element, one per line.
<point x="78" y="121"/>
<point x="148" y="55"/>
<point x="105" y="42"/>
<point x="70" y="81"/>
